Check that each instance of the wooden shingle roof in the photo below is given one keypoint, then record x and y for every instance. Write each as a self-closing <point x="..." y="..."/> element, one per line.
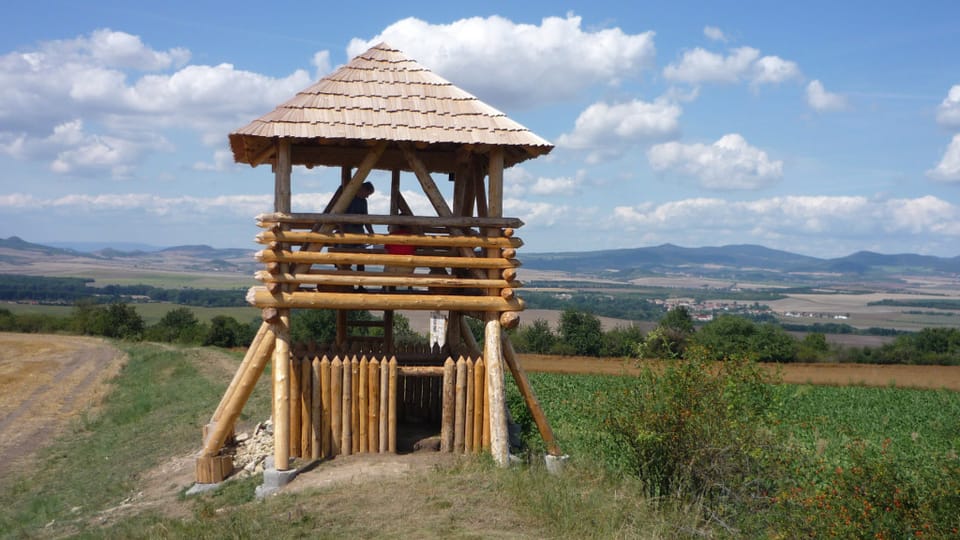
<point x="382" y="95"/>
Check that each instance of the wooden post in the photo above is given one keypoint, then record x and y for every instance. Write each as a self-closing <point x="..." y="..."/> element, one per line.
<point x="363" y="406"/>
<point x="460" y="406"/>
<point x="499" y="442"/>
<point x="336" y="406"/>
<point x="355" y="405"/>
<point x="468" y="412"/>
<point x="341" y="339"/>
<point x="384" y="430"/>
<point x="306" y="407"/>
<point x="446" y="422"/>
<point x="392" y="408"/>
<point x="395" y="192"/>
<point x="294" y="406"/>
<point x="479" y="391"/>
<point x="373" y="411"/>
<point x="325" y="404"/>
<point x="281" y="391"/>
<point x="346" y="436"/>
<point x="281" y="194"/>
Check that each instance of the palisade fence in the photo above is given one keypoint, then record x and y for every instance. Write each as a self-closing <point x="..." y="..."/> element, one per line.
<point x="353" y="405"/>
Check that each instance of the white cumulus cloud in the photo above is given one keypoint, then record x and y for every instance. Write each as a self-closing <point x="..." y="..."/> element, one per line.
<point x="548" y="62"/>
<point x="608" y="130"/>
<point x="714" y="33"/>
<point x="948" y="170"/>
<point x="123" y="93"/>
<point x="699" y="66"/>
<point x="821" y="101"/>
<point x="798" y="223"/>
<point x="948" y="114"/>
<point x="729" y="163"/>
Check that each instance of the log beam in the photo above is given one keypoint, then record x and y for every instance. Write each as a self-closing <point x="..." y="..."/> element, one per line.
<point x="260" y="297"/>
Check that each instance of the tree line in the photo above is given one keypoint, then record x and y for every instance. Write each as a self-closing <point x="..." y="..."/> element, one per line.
<point x="727" y="336"/>
<point x="69" y="290"/>
<point x="578" y="333"/>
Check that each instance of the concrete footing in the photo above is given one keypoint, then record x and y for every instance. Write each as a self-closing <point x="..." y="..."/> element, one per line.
<point x="273" y="480"/>
<point x="199" y="488"/>
<point x="555" y="464"/>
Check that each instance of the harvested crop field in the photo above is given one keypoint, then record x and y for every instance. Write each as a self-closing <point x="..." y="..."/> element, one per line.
<point x="931" y="377"/>
<point x="45" y="382"/>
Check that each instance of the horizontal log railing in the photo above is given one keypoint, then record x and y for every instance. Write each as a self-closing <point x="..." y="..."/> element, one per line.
<point x="458" y="263"/>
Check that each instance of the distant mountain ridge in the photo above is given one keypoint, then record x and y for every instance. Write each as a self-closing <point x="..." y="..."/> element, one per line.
<point x="739" y="261"/>
<point x="19" y="252"/>
<point x="744" y="257"/>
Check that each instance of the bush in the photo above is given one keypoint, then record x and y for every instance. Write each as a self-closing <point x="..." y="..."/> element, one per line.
<point x="875" y="495"/>
<point x="700" y="431"/>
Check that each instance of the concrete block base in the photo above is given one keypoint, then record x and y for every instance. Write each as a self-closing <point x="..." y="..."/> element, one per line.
<point x="199" y="488"/>
<point x="273" y="480"/>
<point x="555" y="464"/>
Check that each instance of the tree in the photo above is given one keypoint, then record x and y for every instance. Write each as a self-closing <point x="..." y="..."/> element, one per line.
<point x="812" y="347"/>
<point x="581" y="332"/>
<point x="226" y="331"/>
<point x="178" y="325"/>
<point x="537" y="337"/>
<point x="621" y="341"/>
<point x="771" y="343"/>
<point x="726" y="336"/>
<point x="319" y="325"/>
<point x="669" y="339"/>
<point x="677" y="320"/>
<point x="118" y="320"/>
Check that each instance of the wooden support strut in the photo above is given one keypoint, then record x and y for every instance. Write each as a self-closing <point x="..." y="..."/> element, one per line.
<point x="233" y="406"/>
<point x="526" y="390"/>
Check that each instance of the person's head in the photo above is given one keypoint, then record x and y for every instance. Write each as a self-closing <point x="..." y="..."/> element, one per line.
<point x="366" y="190"/>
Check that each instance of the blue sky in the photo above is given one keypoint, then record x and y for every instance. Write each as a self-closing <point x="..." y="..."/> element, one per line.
<point x="822" y="128"/>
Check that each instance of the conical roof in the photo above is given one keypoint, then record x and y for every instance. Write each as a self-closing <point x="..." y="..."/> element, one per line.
<point x="382" y="95"/>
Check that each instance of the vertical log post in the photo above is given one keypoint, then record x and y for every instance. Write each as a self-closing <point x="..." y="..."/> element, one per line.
<point x="325" y="404"/>
<point x="392" y="408"/>
<point x="281" y="391"/>
<point x="306" y="407"/>
<point x="346" y="408"/>
<point x="363" y="406"/>
<point x="468" y="412"/>
<point x="449" y="395"/>
<point x="373" y="411"/>
<point x="460" y="406"/>
<point x="295" y="406"/>
<point x="336" y="406"/>
<point x="479" y="391"/>
<point x="383" y="428"/>
<point x="355" y="405"/>
<point x="499" y="442"/>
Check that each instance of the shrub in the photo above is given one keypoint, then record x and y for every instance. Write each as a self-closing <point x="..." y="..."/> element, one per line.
<point x="874" y="495"/>
<point x="700" y="431"/>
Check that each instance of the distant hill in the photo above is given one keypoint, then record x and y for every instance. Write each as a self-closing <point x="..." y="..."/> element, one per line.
<point x="739" y="261"/>
<point x="20" y="256"/>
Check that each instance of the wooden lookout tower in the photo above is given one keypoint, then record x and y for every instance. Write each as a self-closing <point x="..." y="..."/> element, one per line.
<point x="383" y="111"/>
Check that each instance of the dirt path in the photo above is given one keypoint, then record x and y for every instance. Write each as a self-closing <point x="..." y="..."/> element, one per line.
<point x="45" y="382"/>
<point x="932" y="377"/>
